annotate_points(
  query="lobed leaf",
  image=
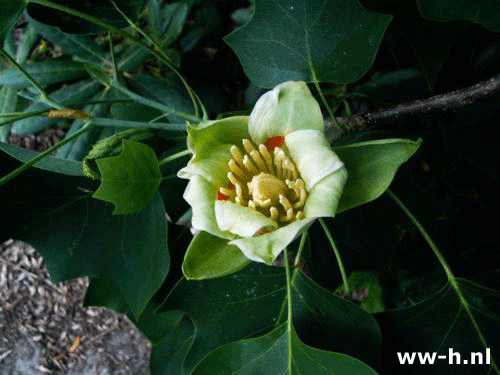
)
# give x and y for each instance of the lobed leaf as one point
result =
(129, 180)
(278, 352)
(85, 238)
(329, 40)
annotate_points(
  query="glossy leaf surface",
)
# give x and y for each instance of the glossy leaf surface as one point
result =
(11, 9)
(85, 238)
(279, 352)
(44, 73)
(256, 295)
(289, 40)
(371, 167)
(129, 180)
(440, 323)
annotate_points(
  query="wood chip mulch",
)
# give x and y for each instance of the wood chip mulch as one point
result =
(40, 323)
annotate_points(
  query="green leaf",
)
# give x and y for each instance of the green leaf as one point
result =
(49, 163)
(297, 40)
(154, 17)
(322, 317)
(104, 292)
(256, 295)
(80, 147)
(44, 72)
(440, 323)
(219, 306)
(103, 10)
(278, 352)
(367, 289)
(8, 104)
(175, 16)
(165, 91)
(69, 94)
(371, 167)
(174, 347)
(129, 180)
(27, 43)
(209, 256)
(11, 10)
(85, 238)
(82, 46)
(484, 13)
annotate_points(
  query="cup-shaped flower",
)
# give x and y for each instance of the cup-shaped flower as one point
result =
(260, 181)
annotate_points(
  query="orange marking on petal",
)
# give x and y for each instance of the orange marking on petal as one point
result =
(222, 197)
(230, 185)
(263, 231)
(274, 142)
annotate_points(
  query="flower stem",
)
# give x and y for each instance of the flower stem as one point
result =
(289, 303)
(337, 255)
(170, 158)
(44, 97)
(43, 154)
(301, 248)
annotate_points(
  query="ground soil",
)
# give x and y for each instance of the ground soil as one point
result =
(40, 321)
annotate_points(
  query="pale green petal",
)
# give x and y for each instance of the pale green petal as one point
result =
(209, 256)
(239, 220)
(286, 108)
(212, 168)
(203, 138)
(312, 155)
(201, 195)
(267, 247)
(324, 197)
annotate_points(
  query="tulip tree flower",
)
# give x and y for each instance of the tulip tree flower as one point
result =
(258, 182)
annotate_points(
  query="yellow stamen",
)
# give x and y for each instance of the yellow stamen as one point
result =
(237, 155)
(249, 165)
(267, 158)
(266, 181)
(237, 171)
(258, 160)
(248, 146)
(302, 199)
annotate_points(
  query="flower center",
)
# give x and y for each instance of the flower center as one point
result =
(265, 179)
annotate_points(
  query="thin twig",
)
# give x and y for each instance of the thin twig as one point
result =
(438, 103)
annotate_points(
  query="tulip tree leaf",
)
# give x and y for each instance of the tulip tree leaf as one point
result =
(209, 256)
(256, 295)
(104, 292)
(11, 9)
(129, 180)
(440, 323)
(85, 238)
(8, 103)
(218, 307)
(371, 167)
(175, 346)
(82, 46)
(44, 73)
(104, 10)
(484, 13)
(292, 40)
(279, 352)
(49, 163)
